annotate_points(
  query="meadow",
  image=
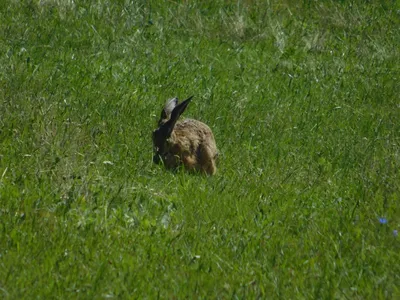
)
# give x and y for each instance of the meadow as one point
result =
(303, 100)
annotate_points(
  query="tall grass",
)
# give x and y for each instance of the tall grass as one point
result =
(303, 98)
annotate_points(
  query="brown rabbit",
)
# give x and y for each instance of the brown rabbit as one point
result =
(188, 142)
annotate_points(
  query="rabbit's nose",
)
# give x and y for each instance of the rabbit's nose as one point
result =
(156, 159)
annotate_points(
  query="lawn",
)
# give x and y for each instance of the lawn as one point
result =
(303, 100)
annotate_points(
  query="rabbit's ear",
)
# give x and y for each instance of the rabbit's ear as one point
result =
(168, 108)
(176, 113)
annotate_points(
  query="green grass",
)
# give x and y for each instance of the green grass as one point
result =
(303, 99)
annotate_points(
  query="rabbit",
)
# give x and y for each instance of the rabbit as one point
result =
(188, 142)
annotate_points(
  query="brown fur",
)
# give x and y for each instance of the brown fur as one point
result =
(190, 142)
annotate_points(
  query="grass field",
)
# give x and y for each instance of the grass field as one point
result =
(303, 99)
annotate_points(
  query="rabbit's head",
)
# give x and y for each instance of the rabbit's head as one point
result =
(169, 116)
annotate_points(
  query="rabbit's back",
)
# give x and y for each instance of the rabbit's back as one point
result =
(194, 142)
(192, 133)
